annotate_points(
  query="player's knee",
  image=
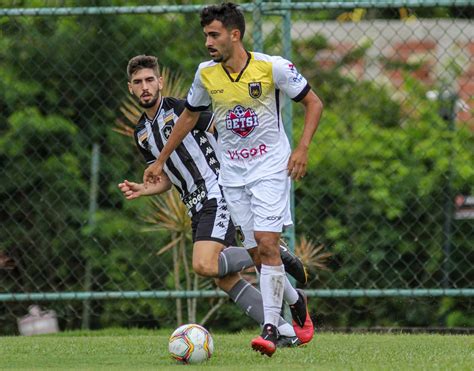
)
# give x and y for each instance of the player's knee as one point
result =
(205, 267)
(268, 247)
(255, 257)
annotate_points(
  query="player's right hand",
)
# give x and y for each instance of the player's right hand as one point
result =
(152, 174)
(131, 190)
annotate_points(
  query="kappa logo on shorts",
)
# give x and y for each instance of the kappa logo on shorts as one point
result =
(241, 121)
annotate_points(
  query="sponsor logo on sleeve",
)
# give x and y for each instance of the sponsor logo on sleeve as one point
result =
(295, 75)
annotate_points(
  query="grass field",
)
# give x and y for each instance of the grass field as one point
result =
(120, 349)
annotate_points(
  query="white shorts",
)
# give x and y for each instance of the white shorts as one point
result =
(263, 205)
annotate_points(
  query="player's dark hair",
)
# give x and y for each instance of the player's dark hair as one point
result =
(140, 62)
(227, 13)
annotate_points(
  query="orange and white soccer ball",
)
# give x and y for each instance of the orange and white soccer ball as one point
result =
(191, 343)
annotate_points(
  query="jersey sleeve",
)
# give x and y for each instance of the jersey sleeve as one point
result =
(205, 121)
(198, 98)
(289, 80)
(205, 118)
(141, 141)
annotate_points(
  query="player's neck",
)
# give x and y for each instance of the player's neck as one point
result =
(151, 112)
(237, 62)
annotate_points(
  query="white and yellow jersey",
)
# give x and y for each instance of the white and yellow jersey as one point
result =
(251, 138)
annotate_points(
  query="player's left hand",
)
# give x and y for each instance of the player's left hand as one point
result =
(297, 163)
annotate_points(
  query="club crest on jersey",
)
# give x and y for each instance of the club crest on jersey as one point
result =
(241, 121)
(255, 89)
(167, 129)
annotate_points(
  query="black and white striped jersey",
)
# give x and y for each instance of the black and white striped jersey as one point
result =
(193, 167)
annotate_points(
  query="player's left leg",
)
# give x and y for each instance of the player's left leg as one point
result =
(270, 205)
(212, 231)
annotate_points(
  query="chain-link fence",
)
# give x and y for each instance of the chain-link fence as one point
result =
(389, 193)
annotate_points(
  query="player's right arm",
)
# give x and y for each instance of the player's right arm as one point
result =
(132, 190)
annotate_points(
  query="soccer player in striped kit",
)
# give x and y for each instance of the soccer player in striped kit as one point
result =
(245, 90)
(193, 169)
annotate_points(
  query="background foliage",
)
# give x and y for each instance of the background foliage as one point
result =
(382, 167)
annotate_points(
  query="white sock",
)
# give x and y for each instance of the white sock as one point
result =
(286, 330)
(272, 281)
(290, 294)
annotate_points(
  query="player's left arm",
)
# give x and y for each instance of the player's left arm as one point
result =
(299, 157)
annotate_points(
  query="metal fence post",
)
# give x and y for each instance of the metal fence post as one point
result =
(94, 189)
(257, 34)
(448, 114)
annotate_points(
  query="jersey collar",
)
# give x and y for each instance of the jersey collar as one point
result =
(156, 113)
(249, 57)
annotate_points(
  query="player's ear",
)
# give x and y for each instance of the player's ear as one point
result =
(160, 82)
(235, 35)
(130, 88)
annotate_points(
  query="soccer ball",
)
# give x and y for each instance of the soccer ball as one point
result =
(191, 343)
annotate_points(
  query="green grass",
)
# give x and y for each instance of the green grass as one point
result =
(120, 349)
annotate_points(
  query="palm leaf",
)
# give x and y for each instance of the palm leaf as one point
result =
(311, 256)
(173, 84)
(169, 213)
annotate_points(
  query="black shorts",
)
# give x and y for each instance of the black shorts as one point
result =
(213, 223)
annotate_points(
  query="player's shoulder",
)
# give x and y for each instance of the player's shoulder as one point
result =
(257, 56)
(172, 102)
(140, 123)
(207, 64)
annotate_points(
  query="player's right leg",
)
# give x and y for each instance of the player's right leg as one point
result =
(271, 207)
(272, 279)
(209, 256)
(272, 272)
(249, 299)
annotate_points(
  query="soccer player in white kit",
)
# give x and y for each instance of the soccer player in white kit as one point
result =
(245, 90)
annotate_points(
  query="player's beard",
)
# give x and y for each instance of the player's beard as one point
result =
(150, 103)
(218, 58)
(222, 55)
